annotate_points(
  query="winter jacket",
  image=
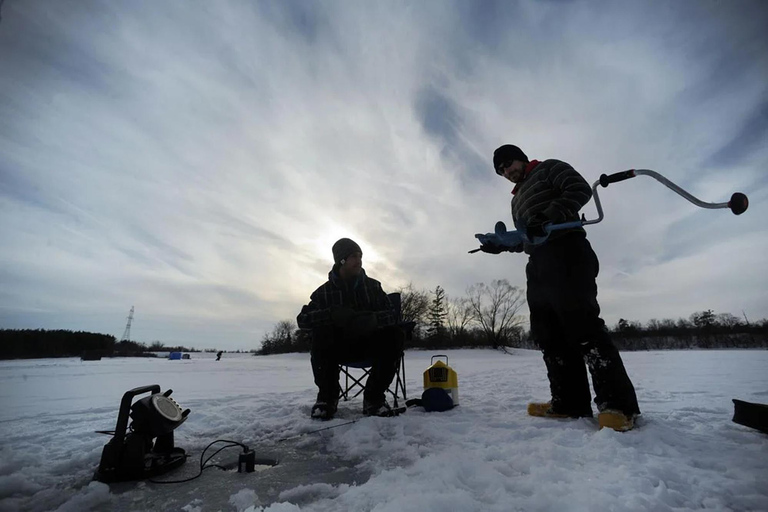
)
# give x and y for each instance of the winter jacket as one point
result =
(361, 294)
(552, 192)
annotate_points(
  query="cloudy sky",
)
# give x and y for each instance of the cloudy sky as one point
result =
(197, 160)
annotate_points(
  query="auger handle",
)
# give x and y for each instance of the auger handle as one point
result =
(738, 203)
(607, 179)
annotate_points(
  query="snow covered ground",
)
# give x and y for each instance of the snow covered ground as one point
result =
(485, 455)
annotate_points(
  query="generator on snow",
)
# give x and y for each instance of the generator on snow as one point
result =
(144, 449)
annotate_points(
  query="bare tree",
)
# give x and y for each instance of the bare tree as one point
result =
(414, 304)
(458, 316)
(728, 320)
(495, 309)
(280, 340)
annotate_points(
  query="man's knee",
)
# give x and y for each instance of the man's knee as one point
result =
(323, 339)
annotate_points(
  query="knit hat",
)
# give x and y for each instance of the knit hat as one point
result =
(343, 248)
(507, 153)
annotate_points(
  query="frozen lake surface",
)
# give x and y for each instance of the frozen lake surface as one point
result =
(486, 455)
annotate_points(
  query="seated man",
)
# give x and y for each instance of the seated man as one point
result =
(352, 320)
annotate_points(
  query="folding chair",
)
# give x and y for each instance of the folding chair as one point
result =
(356, 372)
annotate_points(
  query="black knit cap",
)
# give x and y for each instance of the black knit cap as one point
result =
(343, 248)
(507, 153)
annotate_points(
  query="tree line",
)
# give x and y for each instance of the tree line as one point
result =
(703, 329)
(490, 315)
(35, 343)
(40, 343)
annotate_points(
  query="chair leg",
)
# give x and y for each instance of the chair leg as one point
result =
(402, 383)
(399, 382)
(350, 387)
(359, 383)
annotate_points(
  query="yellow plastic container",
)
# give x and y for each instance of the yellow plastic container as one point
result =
(440, 375)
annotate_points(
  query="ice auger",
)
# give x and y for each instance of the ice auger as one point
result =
(501, 237)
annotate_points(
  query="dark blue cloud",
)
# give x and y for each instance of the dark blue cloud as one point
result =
(752, 136)
(159, 249)
(15, 186)
(39, 53)
(730, 43)
(488, 22)
(704, 228)
(441, 119)
(729, 46)
(245, 229)
(307, 19)
(438, 115)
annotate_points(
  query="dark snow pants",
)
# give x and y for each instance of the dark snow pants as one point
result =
(382, 349)
(566, 324)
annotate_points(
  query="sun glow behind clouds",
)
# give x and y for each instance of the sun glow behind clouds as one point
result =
(322, 242)
(200, 163)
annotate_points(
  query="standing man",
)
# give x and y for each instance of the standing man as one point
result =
(562, 293)
(352, 320)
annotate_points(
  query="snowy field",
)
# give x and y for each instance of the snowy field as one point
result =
(486, 455)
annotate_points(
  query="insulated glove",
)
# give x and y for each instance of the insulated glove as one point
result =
(492, 248)
(535, 226)
(341, 315)
(498, 249)
(364, 322)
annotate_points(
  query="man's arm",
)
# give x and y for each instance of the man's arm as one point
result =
(575, 192)
(315, 314)
(383, 308)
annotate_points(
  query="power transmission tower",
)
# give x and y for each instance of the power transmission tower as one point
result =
(127, 333)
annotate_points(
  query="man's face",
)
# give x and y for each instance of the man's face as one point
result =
(514, 171)
(353, 264)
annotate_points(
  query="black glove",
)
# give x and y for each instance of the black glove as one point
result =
(498, 249)
(493, 248)
(341, 315)
(535, 226)
(363, 323)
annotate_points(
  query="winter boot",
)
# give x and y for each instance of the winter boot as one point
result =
(616, 420)
(324, 409)
(378, 408)
(545, 410)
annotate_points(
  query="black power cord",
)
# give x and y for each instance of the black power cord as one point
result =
(204, 463)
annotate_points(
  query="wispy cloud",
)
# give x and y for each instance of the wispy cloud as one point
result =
(198, 160)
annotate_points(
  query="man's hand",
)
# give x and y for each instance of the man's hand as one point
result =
(341, 315)
(492, 248)
(364, 322)
(498, 249)
(535, 226)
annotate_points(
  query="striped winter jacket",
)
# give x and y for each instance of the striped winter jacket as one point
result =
(552, 189)
(364, 294)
